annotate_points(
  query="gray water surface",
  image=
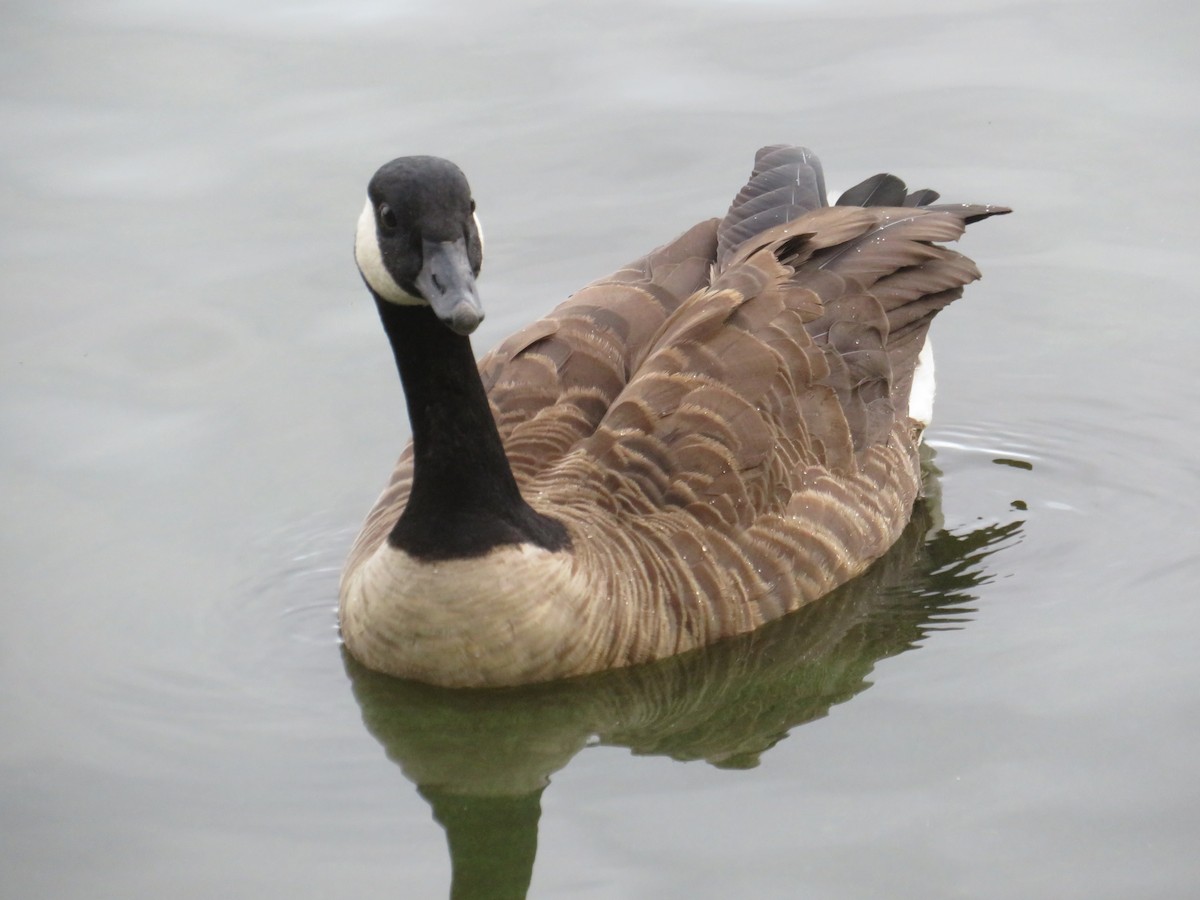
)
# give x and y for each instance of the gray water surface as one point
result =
(198, 407)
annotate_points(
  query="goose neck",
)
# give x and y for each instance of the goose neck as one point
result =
(464, 499)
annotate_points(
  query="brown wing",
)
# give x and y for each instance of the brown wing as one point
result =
(761, 454)
(785, 361)
(552, 382)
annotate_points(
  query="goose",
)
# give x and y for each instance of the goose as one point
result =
(702, 442)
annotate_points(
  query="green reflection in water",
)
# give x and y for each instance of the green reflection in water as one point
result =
(482, 758)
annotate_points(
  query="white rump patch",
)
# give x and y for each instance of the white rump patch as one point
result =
(370, 262)
(920, 398)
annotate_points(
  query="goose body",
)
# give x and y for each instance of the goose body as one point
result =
(704, 441)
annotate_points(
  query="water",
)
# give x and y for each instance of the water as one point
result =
(198, 407)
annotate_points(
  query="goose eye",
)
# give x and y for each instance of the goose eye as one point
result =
(472, 206)
(386, 216)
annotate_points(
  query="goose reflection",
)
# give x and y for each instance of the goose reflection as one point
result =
(482, 759)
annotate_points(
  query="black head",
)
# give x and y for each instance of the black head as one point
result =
(418, 241)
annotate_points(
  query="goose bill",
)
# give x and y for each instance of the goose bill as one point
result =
(447, 282)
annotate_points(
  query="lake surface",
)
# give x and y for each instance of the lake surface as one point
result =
(198, 407)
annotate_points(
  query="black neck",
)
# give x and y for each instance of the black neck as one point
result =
(464, 500)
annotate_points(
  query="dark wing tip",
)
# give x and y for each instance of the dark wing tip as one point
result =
(987, 212)
(878, 190)
(923, 197)
(787, 182)
(972, 212)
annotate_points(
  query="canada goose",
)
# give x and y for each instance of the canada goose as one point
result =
(706, 440)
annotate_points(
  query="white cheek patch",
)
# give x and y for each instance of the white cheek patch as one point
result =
(370, 262)
(920, 397)
(479, 230)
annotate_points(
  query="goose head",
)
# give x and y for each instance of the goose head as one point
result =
(418, 241)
